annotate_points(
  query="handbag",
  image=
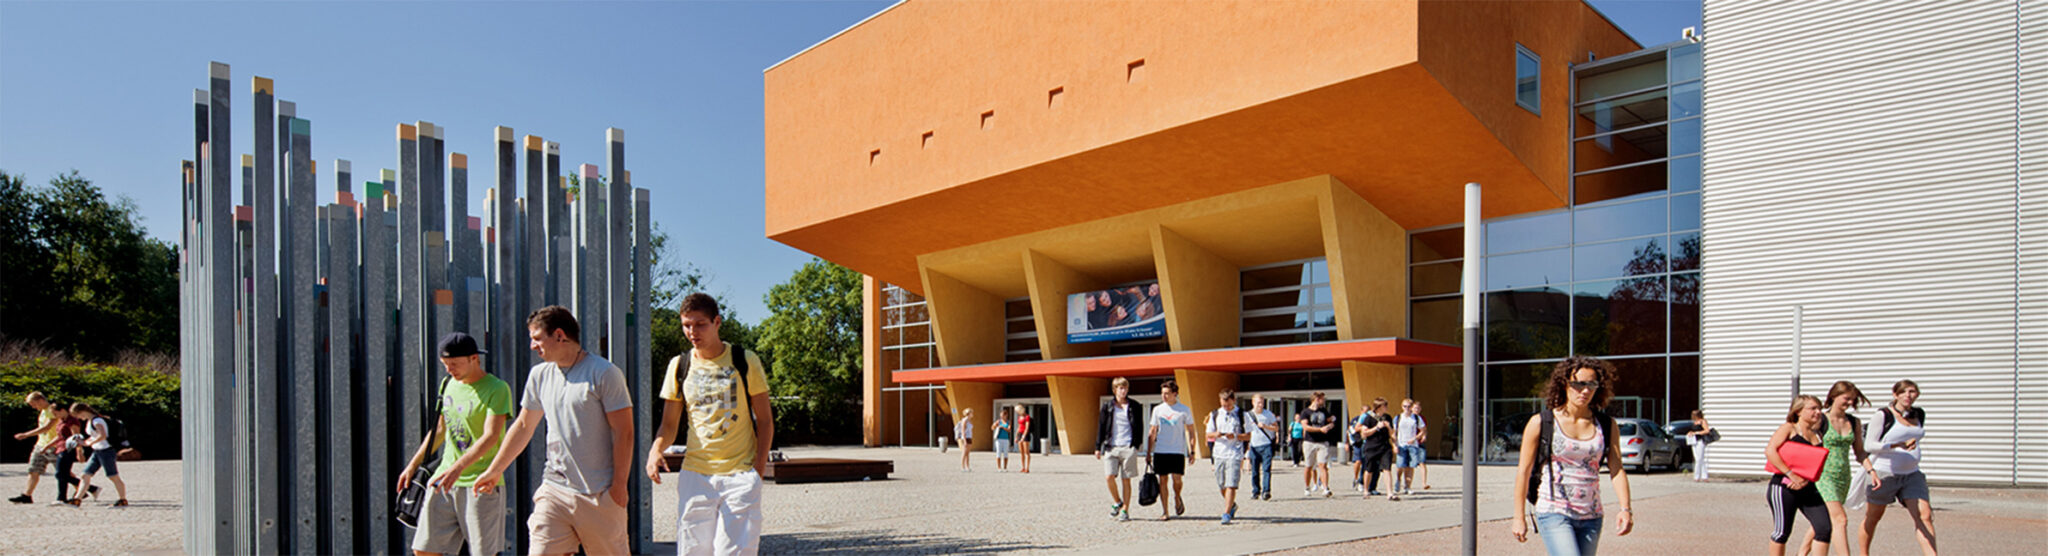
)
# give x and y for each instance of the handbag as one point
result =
(1148, 486)
(1859, 489)
(1804, 459)
(1710, 437)
(414, 497)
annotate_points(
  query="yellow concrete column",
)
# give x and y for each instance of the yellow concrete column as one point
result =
(1368, 258)
(872, 376)
(1198, 390)
(1365, 381)
(967, 323)
(1051, 282)
(1200, 291)
(981, 396)
(1076, 407)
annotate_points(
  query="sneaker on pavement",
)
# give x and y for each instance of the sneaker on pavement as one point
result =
(1123, 515)
(1114, 509)
(23, 499)
(94, 491)
(1305, 493)
(1327, 493)
(122, 503)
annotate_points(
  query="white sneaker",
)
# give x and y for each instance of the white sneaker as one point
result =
(1307, 492)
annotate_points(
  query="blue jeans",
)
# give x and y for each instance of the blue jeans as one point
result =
(1262, 469)
(1565, 536)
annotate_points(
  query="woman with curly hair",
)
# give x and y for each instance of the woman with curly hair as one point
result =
(1563, 448)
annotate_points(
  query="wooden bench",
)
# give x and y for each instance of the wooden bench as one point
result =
(817, 470)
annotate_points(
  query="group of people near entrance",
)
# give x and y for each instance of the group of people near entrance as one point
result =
(65, 436)
(582, 498)
(1242, 440)
(1011, 433)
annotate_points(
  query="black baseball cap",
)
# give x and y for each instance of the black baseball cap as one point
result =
(459, 345)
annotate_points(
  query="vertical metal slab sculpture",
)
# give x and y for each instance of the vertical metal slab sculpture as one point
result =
(341, 351)
(643, 333)
(220, 394)
(191, 332)
(590, 280)
(371, 383)
(263, 379)
(412, 307)
(304, 465)
(460, 248)
(242, 529)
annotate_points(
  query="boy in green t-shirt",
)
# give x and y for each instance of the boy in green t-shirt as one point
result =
(474, 408)
(732, 425)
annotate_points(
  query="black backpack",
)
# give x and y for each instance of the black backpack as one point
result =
(739, 365)
(117, 431)
(1886, 419)
(1541, 462)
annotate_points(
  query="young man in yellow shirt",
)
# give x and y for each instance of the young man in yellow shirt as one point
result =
(732, 426)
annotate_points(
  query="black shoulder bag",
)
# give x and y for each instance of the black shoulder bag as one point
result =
(414, 496)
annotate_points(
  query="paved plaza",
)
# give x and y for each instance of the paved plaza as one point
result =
(929, 507)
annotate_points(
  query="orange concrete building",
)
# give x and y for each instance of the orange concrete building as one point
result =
(1262, 162)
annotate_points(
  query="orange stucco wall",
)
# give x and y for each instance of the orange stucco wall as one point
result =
(1469, 46)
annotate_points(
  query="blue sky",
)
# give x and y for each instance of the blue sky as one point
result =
(105, 88)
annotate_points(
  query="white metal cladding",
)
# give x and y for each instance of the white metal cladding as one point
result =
(2033, 256)
(1860, 161)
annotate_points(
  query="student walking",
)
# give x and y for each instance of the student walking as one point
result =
(1895, 471)
(1228, 428)
(963, 436)
(104, 453)
(1788, 492)
(723, 388)
(1697, 438)
(1843, 436)
(1001, 427)
(1563, 448)
(48, 419)
(1024, 439)
(1294, 433)
(1376, 451)
(1409, 434)
(1167, 442)
(474, 409)
(1319, 436)
(1264, 436)
(1116, 445)
(582, 497)
(70, 449)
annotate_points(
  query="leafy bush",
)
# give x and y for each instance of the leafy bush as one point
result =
(147, 400)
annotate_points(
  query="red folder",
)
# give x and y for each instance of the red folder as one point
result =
(1805, 460)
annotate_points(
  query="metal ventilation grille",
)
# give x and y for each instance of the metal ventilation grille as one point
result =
(1860, 161)
(2033, 198)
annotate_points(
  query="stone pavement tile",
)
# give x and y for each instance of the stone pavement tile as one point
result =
(151, 523)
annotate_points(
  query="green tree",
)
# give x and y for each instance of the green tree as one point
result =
(813, 333)
(81, 274)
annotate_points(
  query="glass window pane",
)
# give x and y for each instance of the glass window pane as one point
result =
(1685, 386)
(1016, 326)
(1290, 298)
(1528, 80)
(916, 334)
(1268, 323)
(1437, 320)
(1512, 394)
(1685, 212)
(1685, 100)
(1508, 235)
(1685, 312)
(1635, 257)
(1020, 344)
(1610, 82)
(1436, 245)
(1435, 279)
(1638, 218)
(1685, 252)
(1684, 63)
(1323, 319)
(1685, 136)
(1527, 324)
(1647, 107)
(1318, 272)
(1528, 269)
(1288, 275)
(1684, 173)
(1615, 184)
(1619, 317)
(1017, 308)
(1322, 295)
(1638, 389)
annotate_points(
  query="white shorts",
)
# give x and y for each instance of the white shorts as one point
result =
(1316, 453)
(1002, 447)
(1121, 461)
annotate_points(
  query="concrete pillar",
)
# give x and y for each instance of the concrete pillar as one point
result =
(556, 207)
(619, 212)
(1200, 293)
(243, 533)
(592, 287)
(1365, 381)
(1198, 391)
(372, 380)
(1050, 282)
(981, 396)
(461, 249)
(412, 300)
(505, 269)
(967, 323)
(1076, 407)
(643, 340)
(1368, 257)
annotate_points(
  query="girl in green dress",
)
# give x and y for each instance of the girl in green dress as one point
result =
(1844, 436)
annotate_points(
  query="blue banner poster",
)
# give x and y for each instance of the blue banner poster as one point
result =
(1128, 312)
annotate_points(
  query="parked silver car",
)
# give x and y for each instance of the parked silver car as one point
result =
(1644, 444)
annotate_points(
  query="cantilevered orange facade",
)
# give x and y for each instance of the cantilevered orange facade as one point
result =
(981, 153)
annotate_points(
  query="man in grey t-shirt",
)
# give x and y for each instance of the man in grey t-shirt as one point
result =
(590, 442)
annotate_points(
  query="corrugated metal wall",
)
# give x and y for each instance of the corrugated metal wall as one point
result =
(1861, 161)
(2033, 292)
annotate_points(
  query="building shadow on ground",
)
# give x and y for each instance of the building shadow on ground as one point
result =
(885, 542)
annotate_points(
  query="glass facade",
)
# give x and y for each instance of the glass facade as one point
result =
(911, 413)
(1615, 275)
(1286, 303)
